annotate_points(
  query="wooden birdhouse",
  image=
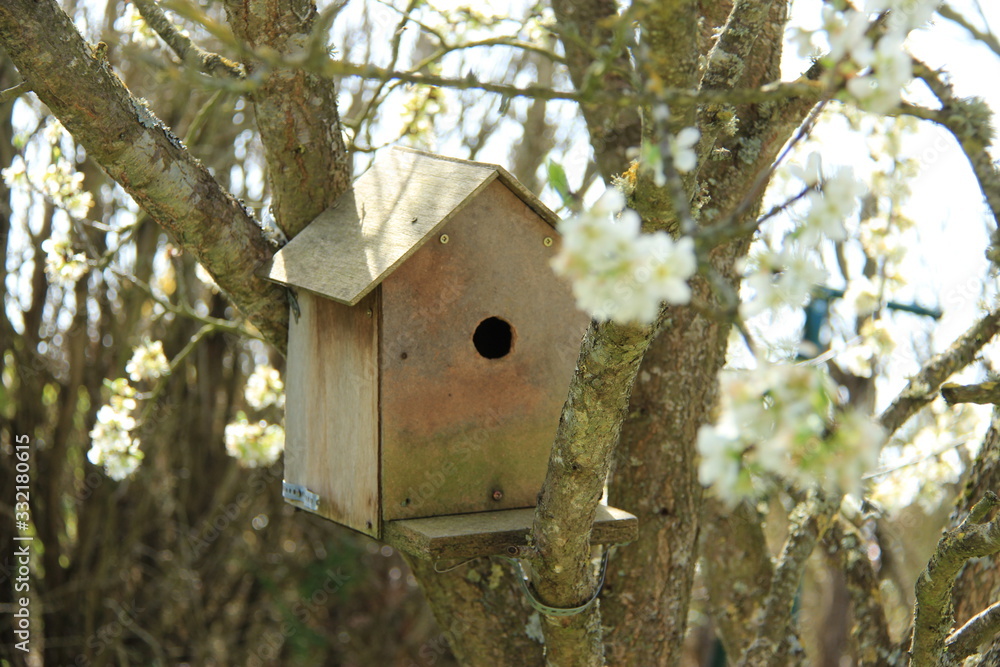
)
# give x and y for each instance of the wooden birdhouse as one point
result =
(431, 349)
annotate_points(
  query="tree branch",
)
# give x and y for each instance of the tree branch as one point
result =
(809, 522)
(923, 386)
(210, 63)
(296, 111)
(870, 629)
(141, 154)
(969, 121)
(980, 629)
(983, 394)
(574, 483)
(933, 612)
(586, 28)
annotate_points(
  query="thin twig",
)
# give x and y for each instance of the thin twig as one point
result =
(987, 38)
(210, 63)
(14, 91)
(923, 387)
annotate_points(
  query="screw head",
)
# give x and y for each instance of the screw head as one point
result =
(498, 495)
(444, 238)
(547, 241)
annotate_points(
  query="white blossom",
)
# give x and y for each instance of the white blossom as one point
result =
(256, 444)
(891, 70)
(264, 388)
(53, 131)
(617, 272)
(16, 174)
(828, 208)
(783, 278)
(682, 149)
(781, 420)
(62, 265)
(906, 14)
(204, 276)
(863, 294)
(720, 467)
(846, 32)
(148, 362)
(809, 174)
(875, 342)
(112, 444)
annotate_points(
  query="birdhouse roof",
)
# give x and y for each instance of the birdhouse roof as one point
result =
(394, 207)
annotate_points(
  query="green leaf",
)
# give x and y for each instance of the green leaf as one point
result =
(559, 182)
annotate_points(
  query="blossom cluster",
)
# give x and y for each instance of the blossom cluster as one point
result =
(63, 266)
(148, 362)
(254, 444)
(112, 443)
(264, 388)
(258, 443)
(781, 421)
(619, 273)
(786, 277)
(876, 70)
(61, 182)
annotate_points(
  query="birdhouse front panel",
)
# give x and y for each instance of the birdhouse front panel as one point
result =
(478, 344)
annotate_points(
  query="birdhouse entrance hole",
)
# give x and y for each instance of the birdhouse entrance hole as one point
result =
(493, 338)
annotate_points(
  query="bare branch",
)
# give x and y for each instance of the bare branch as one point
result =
(589, 429)
(983, 394)
(809, 522)
(981, 628)
(14, 91)
(870, 630)
(969, 121)
(922, 387)
(933, 612)
(987, 38)
(210, 63)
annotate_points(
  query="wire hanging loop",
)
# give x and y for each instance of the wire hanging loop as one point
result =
(538, 605)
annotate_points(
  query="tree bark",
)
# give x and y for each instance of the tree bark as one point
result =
(590, 30)
(296, 110)
(482, 614)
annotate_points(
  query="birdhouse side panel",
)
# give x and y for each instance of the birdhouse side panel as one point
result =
(331, 408)
(479, 343)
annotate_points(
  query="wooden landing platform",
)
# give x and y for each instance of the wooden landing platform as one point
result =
(492, 533)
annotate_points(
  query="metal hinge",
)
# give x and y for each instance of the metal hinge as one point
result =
(300, 496)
